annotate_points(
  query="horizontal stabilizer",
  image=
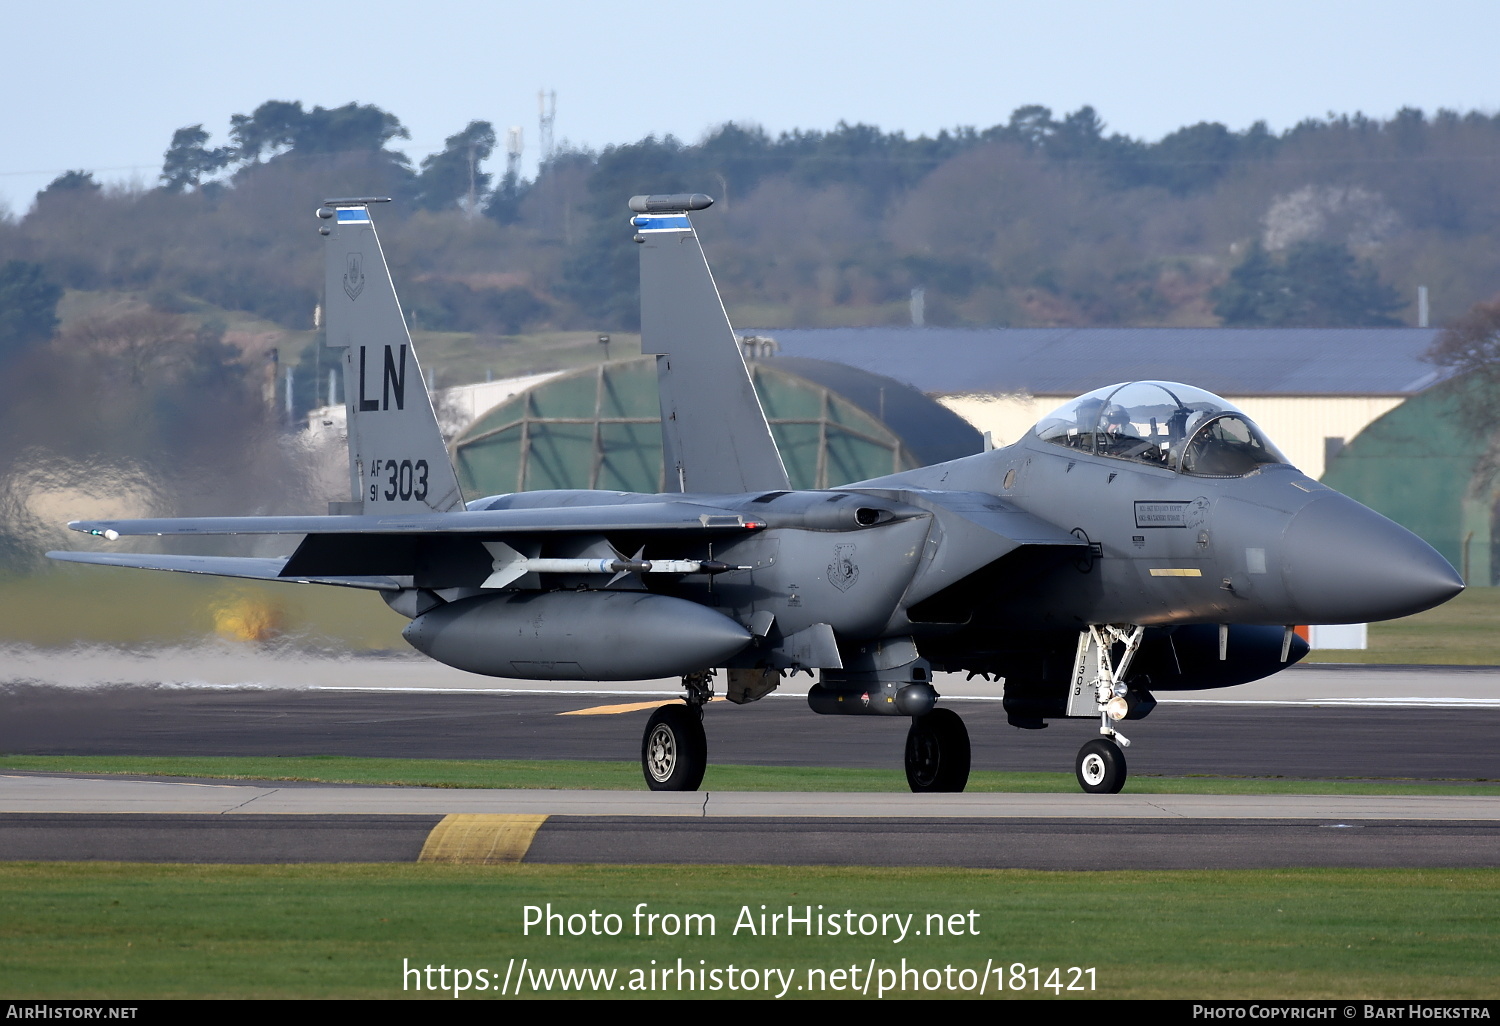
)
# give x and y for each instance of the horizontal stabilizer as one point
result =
(247, 567)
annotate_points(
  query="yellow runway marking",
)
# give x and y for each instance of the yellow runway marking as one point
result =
(481, 839)
(611, 710)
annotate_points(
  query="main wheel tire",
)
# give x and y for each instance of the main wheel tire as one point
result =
(674, 749)
(1101, 767)
(937, 752)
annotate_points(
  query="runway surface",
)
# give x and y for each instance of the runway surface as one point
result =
(1315, 723)
(1020, 843)
(45, 817)
(1304, 741)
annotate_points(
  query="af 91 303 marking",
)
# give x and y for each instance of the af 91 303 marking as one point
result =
(398, 479)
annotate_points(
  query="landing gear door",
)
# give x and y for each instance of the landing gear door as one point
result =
(1090, 665)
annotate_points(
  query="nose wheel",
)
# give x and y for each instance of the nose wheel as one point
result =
(1101, 767)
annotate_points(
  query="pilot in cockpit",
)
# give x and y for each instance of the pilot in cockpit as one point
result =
(1162, 424)
(1086, 420)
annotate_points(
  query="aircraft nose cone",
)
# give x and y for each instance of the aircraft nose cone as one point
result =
(1348, 564)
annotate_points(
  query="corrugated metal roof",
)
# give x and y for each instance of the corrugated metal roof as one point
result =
(1070, 361)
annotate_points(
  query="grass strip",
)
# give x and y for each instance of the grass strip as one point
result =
(626, 776)
(114, 930)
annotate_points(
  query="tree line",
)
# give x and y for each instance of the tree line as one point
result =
(1040, 219)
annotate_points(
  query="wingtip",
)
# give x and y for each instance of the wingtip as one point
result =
(94, 527)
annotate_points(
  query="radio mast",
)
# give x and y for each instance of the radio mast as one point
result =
(547, 113)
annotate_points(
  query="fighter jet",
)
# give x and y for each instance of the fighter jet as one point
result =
(1145, 537)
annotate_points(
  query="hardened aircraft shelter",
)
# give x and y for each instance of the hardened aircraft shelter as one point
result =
(598, 427)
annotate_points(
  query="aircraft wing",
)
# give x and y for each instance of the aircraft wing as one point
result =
(248, 567)
(435, 549)
(642, 516)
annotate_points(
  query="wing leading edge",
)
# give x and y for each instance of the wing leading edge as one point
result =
(639, 516)
(365, 551)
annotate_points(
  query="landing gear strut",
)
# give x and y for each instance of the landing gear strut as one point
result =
(1099, 679)
(674, 749)
(937, 752)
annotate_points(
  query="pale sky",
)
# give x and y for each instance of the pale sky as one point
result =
(101, 86)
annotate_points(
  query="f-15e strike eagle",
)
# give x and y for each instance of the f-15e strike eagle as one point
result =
(1143, 537)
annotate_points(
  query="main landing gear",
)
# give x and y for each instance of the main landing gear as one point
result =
(937, 752)
(674, 749)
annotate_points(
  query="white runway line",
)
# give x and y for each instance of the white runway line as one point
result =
(1405, 702)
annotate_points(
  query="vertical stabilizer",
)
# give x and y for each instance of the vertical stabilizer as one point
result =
(714, 433)
(397, 460)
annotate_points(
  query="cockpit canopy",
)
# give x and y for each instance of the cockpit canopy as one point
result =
(1161, 424)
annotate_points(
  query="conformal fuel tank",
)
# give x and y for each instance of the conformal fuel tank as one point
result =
(595, 635)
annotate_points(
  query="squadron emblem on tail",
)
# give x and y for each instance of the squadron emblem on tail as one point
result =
(354, 277)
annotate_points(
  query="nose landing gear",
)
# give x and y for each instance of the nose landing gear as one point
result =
(1104, 655)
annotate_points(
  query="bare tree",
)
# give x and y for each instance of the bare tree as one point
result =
(1471, 344)
(140, 340)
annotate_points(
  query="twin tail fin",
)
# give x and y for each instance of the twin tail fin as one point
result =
(714, 432)
(397, 460)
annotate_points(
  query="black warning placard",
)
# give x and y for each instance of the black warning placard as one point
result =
(1169, 513)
